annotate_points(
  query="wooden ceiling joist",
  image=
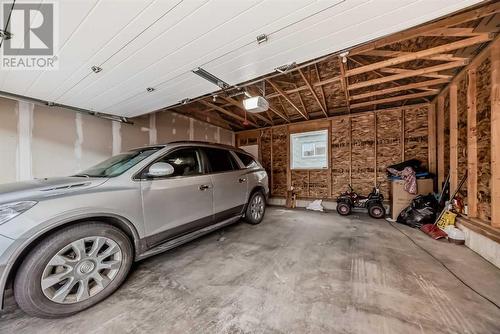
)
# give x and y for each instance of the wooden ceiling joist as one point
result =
(313, 92)
(411, 73)
(454, 20)
(421, 54)
(393, 54)
(321, 89)
(227, 113)
(408, 67)
(419, 85)
(392, 99)
(279, 114)
(451, 32)
(285, 96)
(301, 88)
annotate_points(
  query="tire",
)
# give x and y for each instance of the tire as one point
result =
(76, 259)
(376, 211)
(343, 209)
(256, 208)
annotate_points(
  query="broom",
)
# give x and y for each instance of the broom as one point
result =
(433, 230)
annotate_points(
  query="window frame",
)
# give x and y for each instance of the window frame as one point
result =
(324, 131)
(239, 166)
(241, 161)
(141, 175)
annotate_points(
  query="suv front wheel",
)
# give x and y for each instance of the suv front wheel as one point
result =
(73, 269)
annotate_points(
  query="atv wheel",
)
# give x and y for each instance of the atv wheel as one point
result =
(376, 211)
(343, 209)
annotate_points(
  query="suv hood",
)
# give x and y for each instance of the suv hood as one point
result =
(41, 188)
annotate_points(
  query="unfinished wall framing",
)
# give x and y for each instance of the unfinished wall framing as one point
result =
(361, 147)
(476, 103)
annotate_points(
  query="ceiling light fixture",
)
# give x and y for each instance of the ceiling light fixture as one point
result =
(96, 69)
(150, 89)
(343, 56)
(285, 68)
(262, 38)
(210, 77)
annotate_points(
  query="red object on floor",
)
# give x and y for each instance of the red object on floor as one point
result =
(433, 231)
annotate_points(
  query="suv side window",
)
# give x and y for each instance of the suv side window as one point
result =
(186, 162)
(247, 160)
(220, 160)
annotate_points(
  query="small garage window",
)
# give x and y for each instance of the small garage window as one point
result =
(309, 150)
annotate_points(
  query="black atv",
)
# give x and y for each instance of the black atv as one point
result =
(373, 202)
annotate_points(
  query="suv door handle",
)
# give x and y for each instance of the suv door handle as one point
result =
(242, 179)
(204, 187)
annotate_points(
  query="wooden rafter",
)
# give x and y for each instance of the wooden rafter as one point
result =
(397, 84)
(419, 85)
(287, 119)
(410, 73)
(322, 90)
(302, 102)
(345, 85)
(227, 113)
(451, 32)
(239, 104)
(415, 32)
(313, 92)
(421, 54)
(285, 96)
(301, 88)
(393, 54)
(392, 99)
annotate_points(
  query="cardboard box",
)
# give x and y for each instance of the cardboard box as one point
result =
(400, 199)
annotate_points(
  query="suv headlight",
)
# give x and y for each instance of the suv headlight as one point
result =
(11, 210)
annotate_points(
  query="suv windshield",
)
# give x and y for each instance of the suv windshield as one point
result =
(119, 164)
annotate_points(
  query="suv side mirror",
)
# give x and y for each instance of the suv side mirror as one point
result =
(159, 169)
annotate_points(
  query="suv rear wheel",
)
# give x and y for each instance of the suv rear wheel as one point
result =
(73, 269)
(256, 208)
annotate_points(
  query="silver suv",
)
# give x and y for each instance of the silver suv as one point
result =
(67, 243)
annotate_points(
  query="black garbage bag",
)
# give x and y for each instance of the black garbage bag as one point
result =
(422, 211)
(423, 201)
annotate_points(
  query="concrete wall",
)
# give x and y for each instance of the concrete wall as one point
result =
(39, 141)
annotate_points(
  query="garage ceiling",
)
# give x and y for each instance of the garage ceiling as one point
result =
(157, 44)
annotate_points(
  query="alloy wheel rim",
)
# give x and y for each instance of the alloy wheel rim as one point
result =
(81, 270)
(257, 207)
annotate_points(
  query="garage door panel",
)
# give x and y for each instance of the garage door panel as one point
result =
(89, 38)
(121, 46)
(187, 31)
(75, 13)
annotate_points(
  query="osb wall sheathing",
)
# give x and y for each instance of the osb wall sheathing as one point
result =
(363, 153)
(483, 101)
(373, 149)
(447, 134)
(389, 150)
(462, 132)
(300, 182)
(280, 160)
(340, 153)
(318, 188)
(416, 135)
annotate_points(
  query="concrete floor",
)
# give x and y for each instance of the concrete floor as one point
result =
(297, 272)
